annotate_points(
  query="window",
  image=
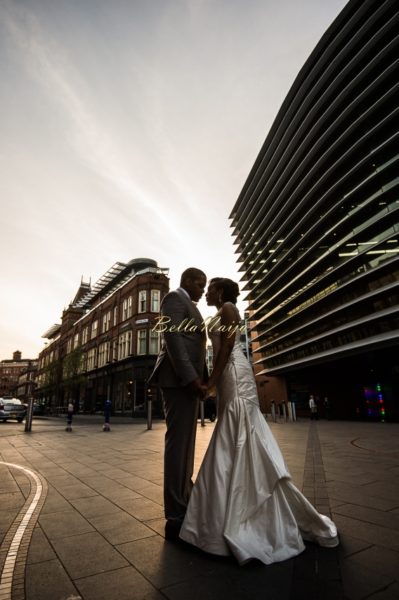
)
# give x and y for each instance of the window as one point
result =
(103, 354)
(154, 342)
(124, 309)
(115, 315)
(85, 335)
(142, 341)
(76, 341)
(69, 345)
(142, 301)
(124, 345)
(127, 308)
(94, 328)
(106, 321)
(115, 349)
(91, 359)
(155, 297)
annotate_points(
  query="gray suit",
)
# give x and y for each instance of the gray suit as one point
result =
(180, 361)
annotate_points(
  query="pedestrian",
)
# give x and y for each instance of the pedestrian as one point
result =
(179, 371)
(313, 408)
(326, 404)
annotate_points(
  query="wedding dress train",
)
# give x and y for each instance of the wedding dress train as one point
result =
(244, 501)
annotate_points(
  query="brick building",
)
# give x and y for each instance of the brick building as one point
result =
(104, 346)
(10, 372)
(26, 384)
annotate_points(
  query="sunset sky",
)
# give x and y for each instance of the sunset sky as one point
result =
(128, 129)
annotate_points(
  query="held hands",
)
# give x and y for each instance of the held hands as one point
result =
(201, 389)
(197, 388)
(209, 389)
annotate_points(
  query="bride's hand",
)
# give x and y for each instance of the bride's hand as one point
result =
(211, 389)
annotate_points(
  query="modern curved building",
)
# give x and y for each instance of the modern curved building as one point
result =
(317, 226)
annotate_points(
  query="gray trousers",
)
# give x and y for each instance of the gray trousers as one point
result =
(181, 414)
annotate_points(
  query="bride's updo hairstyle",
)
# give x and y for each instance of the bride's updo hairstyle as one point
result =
(227, 287)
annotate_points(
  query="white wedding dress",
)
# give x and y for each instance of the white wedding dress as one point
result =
(244, 502)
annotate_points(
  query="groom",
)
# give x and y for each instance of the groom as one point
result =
(179, 371)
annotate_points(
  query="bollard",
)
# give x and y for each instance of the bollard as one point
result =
(69, 417)
(149, 413)
(107, 414)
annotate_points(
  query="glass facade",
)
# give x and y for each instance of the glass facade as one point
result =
(316, 224)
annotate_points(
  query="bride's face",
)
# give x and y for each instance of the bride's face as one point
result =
(212, 295)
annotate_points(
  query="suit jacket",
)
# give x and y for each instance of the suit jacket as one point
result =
(182, 355)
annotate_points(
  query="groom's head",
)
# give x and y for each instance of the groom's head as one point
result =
(193, 281)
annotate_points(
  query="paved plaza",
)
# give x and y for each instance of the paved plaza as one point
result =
(81, 516)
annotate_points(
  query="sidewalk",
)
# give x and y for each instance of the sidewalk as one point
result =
(96, 530)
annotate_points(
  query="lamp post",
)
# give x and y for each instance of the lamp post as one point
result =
(29, 412)
(29, 415)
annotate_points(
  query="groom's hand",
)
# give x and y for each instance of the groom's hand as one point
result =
(197, 388)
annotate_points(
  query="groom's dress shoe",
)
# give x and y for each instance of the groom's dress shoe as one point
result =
(172, 530)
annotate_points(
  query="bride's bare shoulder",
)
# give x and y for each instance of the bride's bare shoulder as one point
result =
(229, 312)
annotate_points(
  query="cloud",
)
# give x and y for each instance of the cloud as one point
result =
(92, 142)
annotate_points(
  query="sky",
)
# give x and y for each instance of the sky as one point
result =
(128, 129)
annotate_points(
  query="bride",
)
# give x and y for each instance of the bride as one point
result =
(244, 502)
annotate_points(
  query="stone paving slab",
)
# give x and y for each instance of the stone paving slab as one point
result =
(100, 532)
(122, 584)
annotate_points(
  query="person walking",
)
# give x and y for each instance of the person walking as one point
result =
(313, 408)
(180, 371)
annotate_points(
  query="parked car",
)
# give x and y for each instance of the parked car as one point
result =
(12, 408)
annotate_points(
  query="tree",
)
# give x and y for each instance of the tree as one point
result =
(72, 373)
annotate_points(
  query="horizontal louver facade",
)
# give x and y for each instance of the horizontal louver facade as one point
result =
(316, 224)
